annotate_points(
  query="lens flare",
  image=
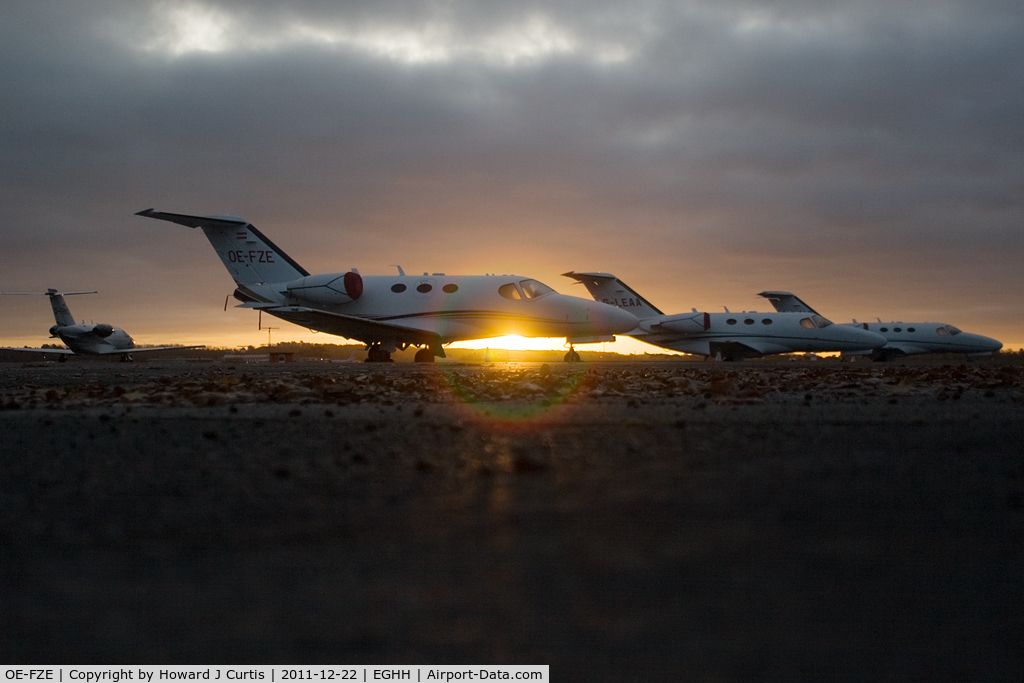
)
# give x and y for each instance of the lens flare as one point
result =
(508, 393)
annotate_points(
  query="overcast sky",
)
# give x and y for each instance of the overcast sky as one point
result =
(868, 156)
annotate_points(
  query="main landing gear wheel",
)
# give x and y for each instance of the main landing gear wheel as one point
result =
(424, 356)
(571, 356)
(377, 354)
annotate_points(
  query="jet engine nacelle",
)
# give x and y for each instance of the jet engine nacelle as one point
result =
(330, 288)
(103, 330)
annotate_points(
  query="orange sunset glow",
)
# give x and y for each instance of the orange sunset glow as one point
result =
(531, 142)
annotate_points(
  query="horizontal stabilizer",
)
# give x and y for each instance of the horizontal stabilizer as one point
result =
(608, 289)
(249, 256)
(195, 221)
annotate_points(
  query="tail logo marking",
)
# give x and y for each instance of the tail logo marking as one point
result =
(251, 256)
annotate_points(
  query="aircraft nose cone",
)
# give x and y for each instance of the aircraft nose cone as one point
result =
(610, 319)
(987, 344)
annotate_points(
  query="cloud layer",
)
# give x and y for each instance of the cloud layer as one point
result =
(868, 156)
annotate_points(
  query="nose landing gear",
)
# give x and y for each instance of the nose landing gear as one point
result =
(571, 356)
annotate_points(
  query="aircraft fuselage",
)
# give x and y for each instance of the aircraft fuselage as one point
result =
(455, 307)
(759, 333)
(917, 338)
(93, 339)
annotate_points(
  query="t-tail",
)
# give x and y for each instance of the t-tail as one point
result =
(249, 256)
(61, 312)
(608, 289)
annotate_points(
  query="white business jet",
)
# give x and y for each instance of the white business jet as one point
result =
(726, 336)
(87, 338)
(389, 312)
(903, 339)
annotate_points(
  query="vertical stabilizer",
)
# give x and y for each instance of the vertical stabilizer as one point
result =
(786, 302)
(61, 312)
(248, 255)
(608, 289)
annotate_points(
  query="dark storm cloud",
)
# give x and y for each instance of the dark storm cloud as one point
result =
(878, 130)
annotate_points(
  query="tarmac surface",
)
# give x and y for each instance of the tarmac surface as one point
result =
(624, 521)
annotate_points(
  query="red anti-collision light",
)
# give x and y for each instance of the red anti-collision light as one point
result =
(353, 285)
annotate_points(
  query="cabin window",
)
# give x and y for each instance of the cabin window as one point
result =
(424, 288)
(398, 289)
(450, 289)
(897, 329)
(533, 289)
(883, 329)
(911, 329)
(730, 321)
(807, 322)
(509, 291)
(748, 321)
(766, 321)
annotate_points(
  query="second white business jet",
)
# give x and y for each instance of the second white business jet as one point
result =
(903, 339)
(88, 339)
(726, 336)
(389, 312)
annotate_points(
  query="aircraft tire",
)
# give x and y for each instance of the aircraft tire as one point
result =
(572, 357)
(424, 356)
(377, 355)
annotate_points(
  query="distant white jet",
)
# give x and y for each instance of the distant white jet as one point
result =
(728, 336)
(388, 312)
(903, 339)
(86, 338)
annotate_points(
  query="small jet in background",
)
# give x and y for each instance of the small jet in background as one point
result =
(389, 312)
(902, 339)
(86, 338)
(727, 336)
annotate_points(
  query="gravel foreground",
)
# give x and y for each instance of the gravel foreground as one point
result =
(621, 521)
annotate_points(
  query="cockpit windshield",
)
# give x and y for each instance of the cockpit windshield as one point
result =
(533, 289)
(947, 330)
(815, 321)
(509, 291)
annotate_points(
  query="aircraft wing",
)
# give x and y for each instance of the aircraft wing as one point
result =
(352, 327)
(63, 352)
(908, 349)
(751, 347)
(786, 302)
(147, 349)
